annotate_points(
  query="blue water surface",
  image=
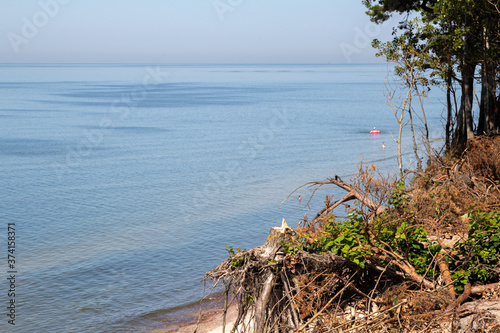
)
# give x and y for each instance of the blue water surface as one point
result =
(127, 182)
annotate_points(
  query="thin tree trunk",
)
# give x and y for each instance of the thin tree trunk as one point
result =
(497, 115)
(415, 147)
(400, 133)
(426, 127)
(449, 121)
(469, 93)
(483, 105)
(490, 115)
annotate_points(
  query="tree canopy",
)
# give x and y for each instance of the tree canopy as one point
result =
(456, 43)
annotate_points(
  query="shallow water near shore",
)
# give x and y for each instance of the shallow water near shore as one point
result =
(127, 182)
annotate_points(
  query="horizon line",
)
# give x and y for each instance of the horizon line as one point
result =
(192, 63)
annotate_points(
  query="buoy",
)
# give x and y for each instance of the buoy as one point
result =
(374, 131)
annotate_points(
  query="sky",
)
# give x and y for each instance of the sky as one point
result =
(187, 31)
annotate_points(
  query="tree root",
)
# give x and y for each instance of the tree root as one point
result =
(289, 291)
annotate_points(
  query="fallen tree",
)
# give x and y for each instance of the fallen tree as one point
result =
(406, 257)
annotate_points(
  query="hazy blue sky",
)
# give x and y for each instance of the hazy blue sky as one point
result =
(187, 31)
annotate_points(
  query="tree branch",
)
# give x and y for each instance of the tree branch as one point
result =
(425, 8)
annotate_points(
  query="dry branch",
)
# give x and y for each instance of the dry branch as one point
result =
(353, 193)
(363, 198)
(445, 273)
(460, 299)
(328, 209)
(478, 290)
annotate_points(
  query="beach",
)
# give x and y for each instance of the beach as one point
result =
(208, 320)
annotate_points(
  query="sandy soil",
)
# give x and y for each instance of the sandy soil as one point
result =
(209, 322)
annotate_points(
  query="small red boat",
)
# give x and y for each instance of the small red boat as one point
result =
(374, 131)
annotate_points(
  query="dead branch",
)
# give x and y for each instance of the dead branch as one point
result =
(407, 268)
(329, 208)
(352, 194)
(478, 290)
(445, 273)
(460, 299)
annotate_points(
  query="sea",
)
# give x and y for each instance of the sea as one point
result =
(123, 184)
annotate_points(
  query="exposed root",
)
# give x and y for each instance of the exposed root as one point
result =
(400, 261)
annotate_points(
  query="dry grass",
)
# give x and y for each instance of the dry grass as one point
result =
(453, 186)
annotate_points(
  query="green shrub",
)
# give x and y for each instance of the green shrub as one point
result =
(479, 253)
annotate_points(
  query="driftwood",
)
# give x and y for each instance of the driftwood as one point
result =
(272, 288)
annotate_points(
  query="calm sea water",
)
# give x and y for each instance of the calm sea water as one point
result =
(127, 182)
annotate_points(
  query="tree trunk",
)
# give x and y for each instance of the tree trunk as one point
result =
(449, 121)
(486, 124)
(464, 129)
(497, 115)
(270, 249)
(415, 147)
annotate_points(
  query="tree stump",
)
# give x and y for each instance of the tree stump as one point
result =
(271, 252)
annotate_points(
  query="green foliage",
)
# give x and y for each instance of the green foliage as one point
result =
(358, 241)
(343, 238)
(397, 198)
(347, 239)
(354, 240)
(479, 252)
(290, 248)
(235, 262)
(411, 243)
(444, 40)
(380, 10)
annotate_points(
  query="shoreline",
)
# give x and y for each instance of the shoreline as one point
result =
(188, 318)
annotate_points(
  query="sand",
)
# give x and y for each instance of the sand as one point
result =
(209, 322)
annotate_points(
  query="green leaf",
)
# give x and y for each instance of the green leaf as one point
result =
(329, 245)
